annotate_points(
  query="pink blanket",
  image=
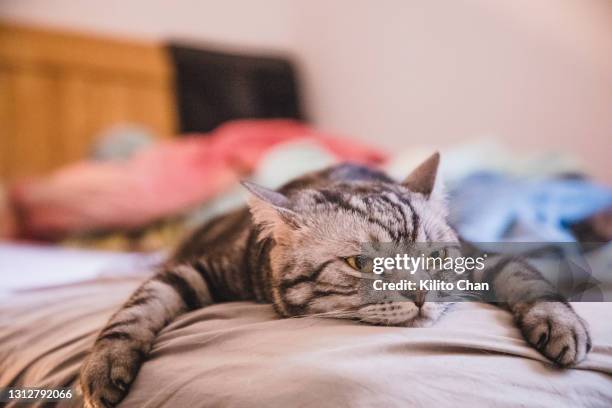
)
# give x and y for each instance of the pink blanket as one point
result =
(166, 179)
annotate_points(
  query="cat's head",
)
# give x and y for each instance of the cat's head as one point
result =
(318, 262)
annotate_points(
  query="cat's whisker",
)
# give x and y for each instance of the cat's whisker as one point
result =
(331, 314)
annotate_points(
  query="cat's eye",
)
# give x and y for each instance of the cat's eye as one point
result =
(352, 262)
(438, 253)
(359, 263)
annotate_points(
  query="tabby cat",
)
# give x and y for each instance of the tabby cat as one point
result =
(299, 249)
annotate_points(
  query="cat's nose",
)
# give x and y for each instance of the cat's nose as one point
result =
(419, 297)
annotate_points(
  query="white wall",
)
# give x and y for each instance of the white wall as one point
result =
(261, 24)
(537, 74)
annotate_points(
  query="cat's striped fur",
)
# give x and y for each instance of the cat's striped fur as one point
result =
(289, 250)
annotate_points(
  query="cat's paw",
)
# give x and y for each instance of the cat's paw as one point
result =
(556, 331)
(108, 372)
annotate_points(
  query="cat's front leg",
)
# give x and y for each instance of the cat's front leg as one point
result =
(123, 344)
(110, 369)
(547, 321)
(555, 330)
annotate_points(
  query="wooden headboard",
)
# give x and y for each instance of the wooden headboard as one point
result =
(59, 89)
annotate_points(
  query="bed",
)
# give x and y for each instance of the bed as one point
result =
(54, 301)
(240, 354)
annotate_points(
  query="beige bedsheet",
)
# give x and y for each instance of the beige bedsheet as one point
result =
(241, 355)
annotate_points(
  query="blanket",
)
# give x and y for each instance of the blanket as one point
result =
(241, 355)
(166, 179)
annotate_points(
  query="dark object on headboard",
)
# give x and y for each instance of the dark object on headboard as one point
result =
(214, 87)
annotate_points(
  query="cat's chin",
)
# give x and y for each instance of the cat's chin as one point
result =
(405, 314)
(422, 321)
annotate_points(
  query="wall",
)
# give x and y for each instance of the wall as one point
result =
(537, 74)
(262, 24)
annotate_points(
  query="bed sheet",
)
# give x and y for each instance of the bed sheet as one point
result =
(28, 266)
(241, 355)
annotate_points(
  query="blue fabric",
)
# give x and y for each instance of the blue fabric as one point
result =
(489, 207)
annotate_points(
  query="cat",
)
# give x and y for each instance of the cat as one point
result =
(298, 248)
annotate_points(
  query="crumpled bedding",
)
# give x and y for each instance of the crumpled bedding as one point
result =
(490, 207)
(161, 181)
(241, 355)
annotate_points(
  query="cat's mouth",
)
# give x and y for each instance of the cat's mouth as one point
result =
(406, 314)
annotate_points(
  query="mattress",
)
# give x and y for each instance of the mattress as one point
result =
(241, 355)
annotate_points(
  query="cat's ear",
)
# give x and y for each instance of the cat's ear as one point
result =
(423, 178)
(270, 209)
(271, 197)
